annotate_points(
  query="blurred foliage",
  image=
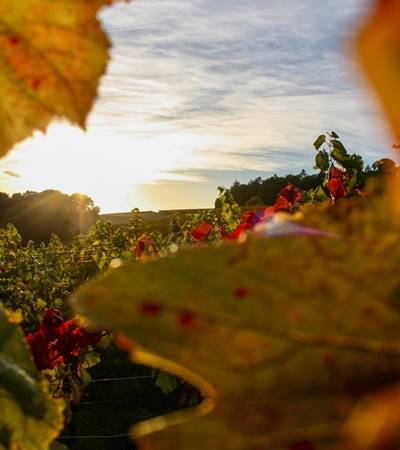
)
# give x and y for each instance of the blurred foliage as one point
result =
(291, 342)
(40, 78)
(378, 48)
(29, 419)
(38, 215)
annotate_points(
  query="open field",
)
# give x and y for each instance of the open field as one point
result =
(148, 216)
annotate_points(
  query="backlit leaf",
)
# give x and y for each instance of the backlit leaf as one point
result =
(52, 54)
(378, 47)
(29, 418)
(273, 331)
(320, 140)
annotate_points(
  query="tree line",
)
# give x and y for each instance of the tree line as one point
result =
(264, 191)
(37, 215)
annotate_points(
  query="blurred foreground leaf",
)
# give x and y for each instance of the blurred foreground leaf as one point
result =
(29, 418)
(374, 424)
(52, 54)
(378, 46)
(282, 336)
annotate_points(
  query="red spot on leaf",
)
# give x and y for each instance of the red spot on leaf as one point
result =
(151, 309)
(303, 445)
(187, 319)
(329, 360)
(35, 83)
(13, 40)
(369, 311)
(241, 292)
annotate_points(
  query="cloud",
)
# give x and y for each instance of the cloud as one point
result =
(251, 74)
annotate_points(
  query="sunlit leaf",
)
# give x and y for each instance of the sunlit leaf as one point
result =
(320, 140)
(29, 418)
(322, 160)
(52, 54)
(374, 423)
(282, 336)
(378, 47)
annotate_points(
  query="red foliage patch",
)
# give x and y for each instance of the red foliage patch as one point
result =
(58, 342)
(336, 185)
(288, 197)
(144, 244)
(202, 230)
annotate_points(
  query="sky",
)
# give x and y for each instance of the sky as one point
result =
(200, 93)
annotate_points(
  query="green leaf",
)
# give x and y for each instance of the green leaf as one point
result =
(282, 337)
(353, 162)
(32, 420)
(334, 135)
(48, 67)
(352, 182)
(322, 160)
(90, 360)
(320, 195)
(320, 140)
(166, 382)
(338, 153)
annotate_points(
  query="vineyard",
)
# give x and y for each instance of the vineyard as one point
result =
(264, 327)
(84, 368)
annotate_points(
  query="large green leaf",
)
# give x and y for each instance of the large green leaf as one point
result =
(29, 418)
(283, 336)
(52, 54)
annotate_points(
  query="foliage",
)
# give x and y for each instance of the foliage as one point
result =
(268, 189)
(65, 350)
(255, 201)
(30, 419)
(35, 280)
(274, 334)
(343, 173)
(266, 334)
(38, 215)
(40, 78)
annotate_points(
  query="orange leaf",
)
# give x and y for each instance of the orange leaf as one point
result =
(52, 54)
(378, 47)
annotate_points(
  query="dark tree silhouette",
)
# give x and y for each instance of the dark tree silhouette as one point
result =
(37, 215)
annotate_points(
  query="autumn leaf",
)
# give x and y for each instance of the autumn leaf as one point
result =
(52, 54)
(283, 337)
(374, 423)
(378, 47)
(29, 418)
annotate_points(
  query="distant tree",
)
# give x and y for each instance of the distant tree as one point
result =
(255, 201)
(267, 189)
(5, 202)
(37, 215)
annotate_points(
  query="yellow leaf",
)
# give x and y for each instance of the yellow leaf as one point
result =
(282, 337)
(29, 418)
(52, 54)
(378, 47)
(374, 424)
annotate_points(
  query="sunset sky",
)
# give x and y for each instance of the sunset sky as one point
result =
(202, 92)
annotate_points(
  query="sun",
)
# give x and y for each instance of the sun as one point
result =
(109, 166)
